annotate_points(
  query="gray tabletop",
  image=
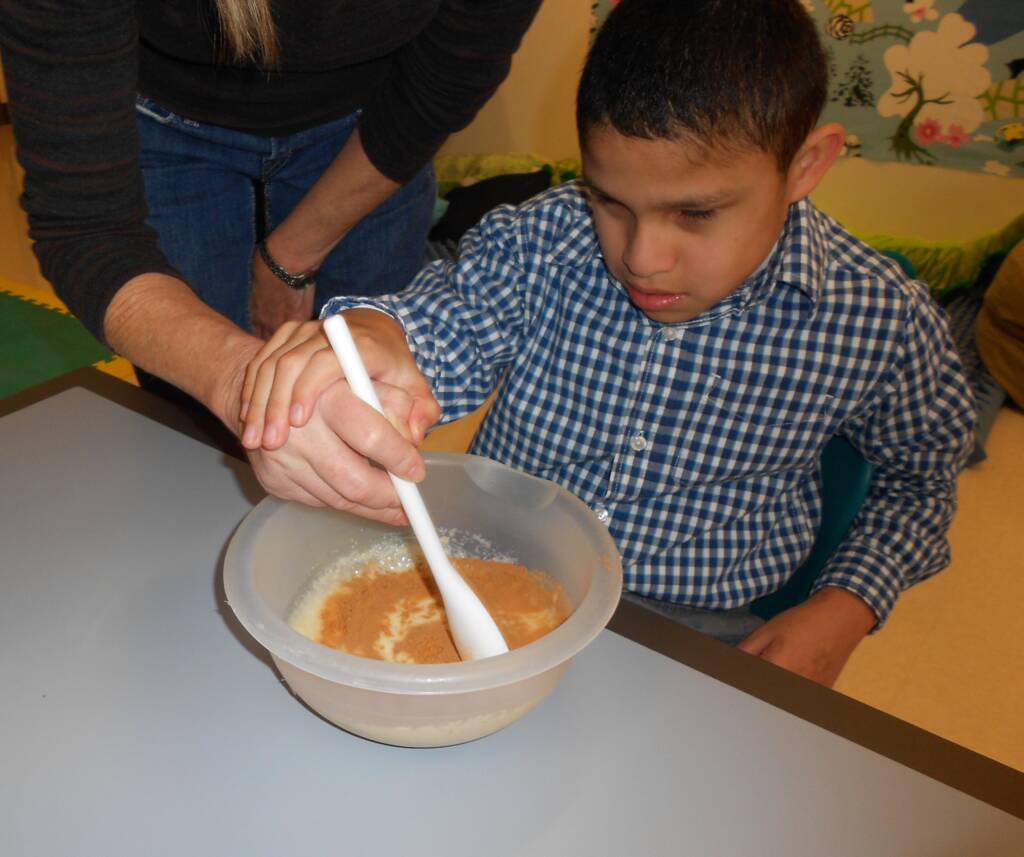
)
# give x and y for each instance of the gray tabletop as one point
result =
(137, 717)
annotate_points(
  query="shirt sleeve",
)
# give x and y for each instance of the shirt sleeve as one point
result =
(71, 70)
(917, 433)
(440, 80)
(465, 321)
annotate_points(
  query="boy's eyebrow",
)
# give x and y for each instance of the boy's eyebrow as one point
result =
(692, 203)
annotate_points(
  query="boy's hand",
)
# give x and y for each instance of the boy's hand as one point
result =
(285, 380)
(815, 638)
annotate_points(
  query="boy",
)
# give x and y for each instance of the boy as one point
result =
(678, 336)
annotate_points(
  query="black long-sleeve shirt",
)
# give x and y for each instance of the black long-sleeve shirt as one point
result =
(419, 70)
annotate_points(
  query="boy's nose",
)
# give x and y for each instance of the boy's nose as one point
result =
(646, 254)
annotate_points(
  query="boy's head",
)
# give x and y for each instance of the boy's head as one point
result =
(697, 123)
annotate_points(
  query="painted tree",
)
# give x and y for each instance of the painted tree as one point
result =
(935, 83)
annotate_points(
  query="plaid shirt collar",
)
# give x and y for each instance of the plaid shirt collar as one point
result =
(798, 259)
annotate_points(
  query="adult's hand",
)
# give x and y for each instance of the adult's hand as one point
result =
(272, 303)
(327, 461)
(815, 638)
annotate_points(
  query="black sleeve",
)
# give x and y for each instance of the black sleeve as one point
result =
(440, 80)
(71, 70)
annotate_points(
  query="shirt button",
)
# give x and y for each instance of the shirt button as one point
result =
(603, 515)
(638, 443)
(670, 334)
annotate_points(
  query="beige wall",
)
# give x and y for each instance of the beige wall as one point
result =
(533, 112)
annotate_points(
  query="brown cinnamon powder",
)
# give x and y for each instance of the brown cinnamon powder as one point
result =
(398, 615)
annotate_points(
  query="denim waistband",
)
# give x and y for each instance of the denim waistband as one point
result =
(272, 147)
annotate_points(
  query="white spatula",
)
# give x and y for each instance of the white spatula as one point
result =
(473, 629)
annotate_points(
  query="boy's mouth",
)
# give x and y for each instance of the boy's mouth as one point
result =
(652, 301)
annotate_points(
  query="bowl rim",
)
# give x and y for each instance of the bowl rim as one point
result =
(284, 642)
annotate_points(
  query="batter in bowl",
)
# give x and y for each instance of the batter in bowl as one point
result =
(396, 614)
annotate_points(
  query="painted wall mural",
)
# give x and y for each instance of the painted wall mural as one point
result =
(924, 82)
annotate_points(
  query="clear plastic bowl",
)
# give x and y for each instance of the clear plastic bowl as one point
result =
(280, 547)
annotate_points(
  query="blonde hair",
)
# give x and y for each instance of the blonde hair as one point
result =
(248, 30)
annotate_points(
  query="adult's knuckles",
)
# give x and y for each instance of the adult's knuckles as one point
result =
(353, 485)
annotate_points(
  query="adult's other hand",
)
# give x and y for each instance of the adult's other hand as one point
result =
(272, 303)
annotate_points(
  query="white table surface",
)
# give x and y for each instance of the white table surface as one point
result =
(138, 718)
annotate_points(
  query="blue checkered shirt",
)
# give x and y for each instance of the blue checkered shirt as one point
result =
(698, 443)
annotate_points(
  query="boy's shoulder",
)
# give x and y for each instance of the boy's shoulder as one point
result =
(858, 275)
(554, 225)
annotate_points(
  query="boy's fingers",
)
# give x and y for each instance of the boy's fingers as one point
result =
(424, 414)
(391, 365)
(398, 369)
(365, 490)
(411, 416)
(345, 480)
(369, 433)
(757, 641)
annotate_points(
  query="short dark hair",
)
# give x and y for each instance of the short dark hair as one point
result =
(726, 74)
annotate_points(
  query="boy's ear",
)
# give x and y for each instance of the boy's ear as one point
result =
(816, 155)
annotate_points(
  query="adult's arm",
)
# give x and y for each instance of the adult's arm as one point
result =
(71, 73)
(70, 68)
(437, 84)
(440, 80)
(206, 355)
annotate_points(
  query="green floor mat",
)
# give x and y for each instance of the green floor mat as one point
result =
(38, 343)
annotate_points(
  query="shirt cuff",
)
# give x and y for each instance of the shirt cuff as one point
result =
(867, 574)
(340, 304)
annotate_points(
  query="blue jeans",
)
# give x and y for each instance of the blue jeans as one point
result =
(728, 626)
(213, 192)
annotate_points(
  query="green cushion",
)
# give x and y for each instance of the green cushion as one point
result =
(947, 266)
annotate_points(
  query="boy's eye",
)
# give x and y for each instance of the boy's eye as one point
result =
(699, 214)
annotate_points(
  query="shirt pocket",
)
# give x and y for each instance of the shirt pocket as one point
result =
(744, 431)
(588, 477)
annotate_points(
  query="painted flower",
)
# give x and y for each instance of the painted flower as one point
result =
(840, 27)
(956, 136)
(996, 168)
(920, 10)
(929, 131)
(851, 146)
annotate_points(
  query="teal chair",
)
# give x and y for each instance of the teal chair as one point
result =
(845, 477)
